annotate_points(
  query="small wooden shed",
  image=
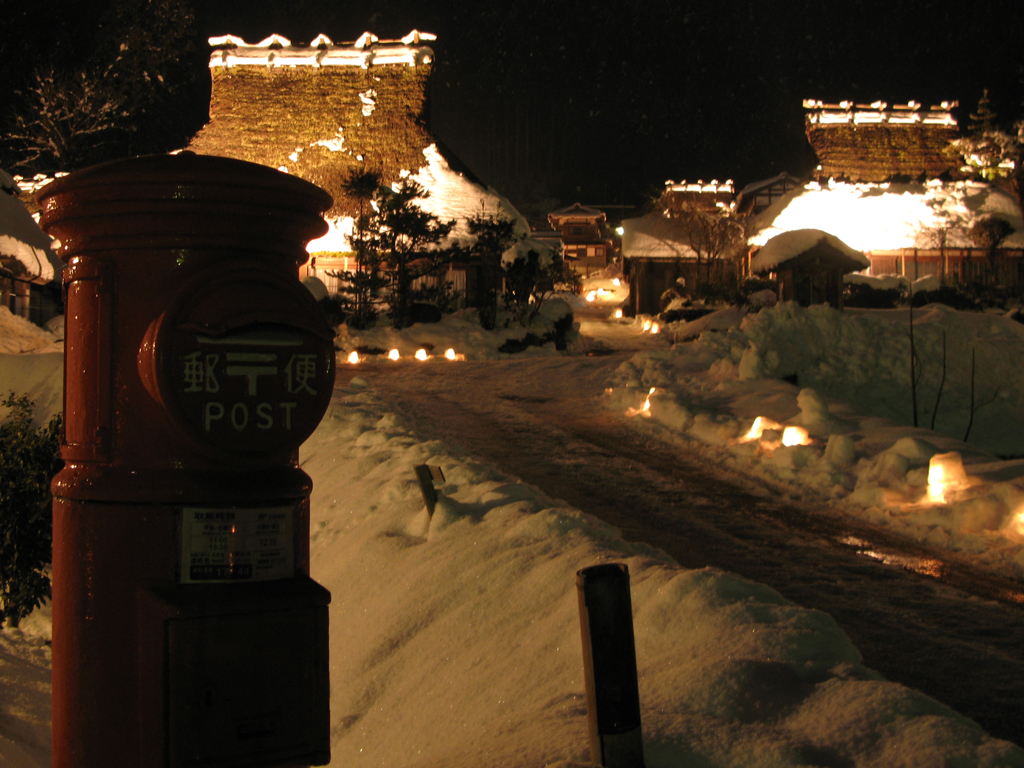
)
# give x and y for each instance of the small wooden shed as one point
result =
(809, 265)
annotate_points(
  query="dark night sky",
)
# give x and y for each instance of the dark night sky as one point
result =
(570, 100)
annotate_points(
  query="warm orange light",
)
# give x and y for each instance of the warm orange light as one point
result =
(655, 328)
(644, 409)
(1014, 530)
(618, 314)
(421, 354)
(449, 353)
(795, 436)
(647, 325)
(591, 296)
(393, 355)
(945, 473)
(761, 423)
(616, 281)
(353, 357)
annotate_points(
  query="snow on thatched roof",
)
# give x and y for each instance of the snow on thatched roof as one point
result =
(789, 247)
(21, 239)
(875, 143)
(889, 216)
(654, 236)
(277, 51)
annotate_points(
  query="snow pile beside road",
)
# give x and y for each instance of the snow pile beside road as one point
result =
(475, 609)
(852, 396)
(18, 335)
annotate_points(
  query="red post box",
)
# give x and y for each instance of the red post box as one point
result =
(186, 628)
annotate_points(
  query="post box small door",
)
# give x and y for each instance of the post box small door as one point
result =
(249, 689)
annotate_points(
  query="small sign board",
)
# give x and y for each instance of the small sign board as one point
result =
(232, 544)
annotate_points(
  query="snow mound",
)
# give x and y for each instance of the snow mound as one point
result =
(18, 335)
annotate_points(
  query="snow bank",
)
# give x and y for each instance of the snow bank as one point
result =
(475, 611)
(845, 379)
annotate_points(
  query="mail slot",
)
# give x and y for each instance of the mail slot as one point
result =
(186, 628)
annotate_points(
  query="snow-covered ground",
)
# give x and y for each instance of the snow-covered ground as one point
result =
(455, 640)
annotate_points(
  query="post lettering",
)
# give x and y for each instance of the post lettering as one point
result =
(214, 411)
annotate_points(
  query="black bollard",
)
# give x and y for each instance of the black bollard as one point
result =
(609, 666)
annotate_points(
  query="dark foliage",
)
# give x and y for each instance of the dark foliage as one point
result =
(29, 459)
(949, 295)
(864, 296)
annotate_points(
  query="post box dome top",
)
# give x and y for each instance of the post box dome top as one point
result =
(187, 169)
(182, 200)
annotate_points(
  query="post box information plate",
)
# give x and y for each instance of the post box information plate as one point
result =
(237, 544)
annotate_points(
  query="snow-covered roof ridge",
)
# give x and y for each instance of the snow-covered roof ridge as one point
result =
(789, 245)
(577, 209)
(278, 51)
(848, 112)
(700, 186)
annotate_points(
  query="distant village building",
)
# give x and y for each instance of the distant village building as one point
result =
(586, 242)
(323, 110)
(29, 268)
(656, 252)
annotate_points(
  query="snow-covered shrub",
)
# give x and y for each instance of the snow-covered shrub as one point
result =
(29, 459)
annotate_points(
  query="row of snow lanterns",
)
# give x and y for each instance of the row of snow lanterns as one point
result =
(421, 354)
(945, 470)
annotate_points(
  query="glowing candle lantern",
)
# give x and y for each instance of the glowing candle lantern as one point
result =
(644, 409)
(591, 296)
(945, 473)
(421, 354)
(647, 325)
(393, 354)
(616, 281)
(353, 357)
(1014, 530)
(795, 436)
(618, 314)
(449, 353)
(655, 328)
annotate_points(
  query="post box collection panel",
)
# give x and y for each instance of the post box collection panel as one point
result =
(247, 689)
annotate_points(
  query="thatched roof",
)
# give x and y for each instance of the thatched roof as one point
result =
(320, 111)
(875, 143)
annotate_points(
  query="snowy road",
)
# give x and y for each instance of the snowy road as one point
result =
(919, 618)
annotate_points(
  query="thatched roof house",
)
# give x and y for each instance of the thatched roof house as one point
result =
(876, 143)
(324, 110)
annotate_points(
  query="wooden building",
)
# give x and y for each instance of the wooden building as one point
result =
(587, 243)
(809, 266)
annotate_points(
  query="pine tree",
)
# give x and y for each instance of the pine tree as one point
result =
(495, 234)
